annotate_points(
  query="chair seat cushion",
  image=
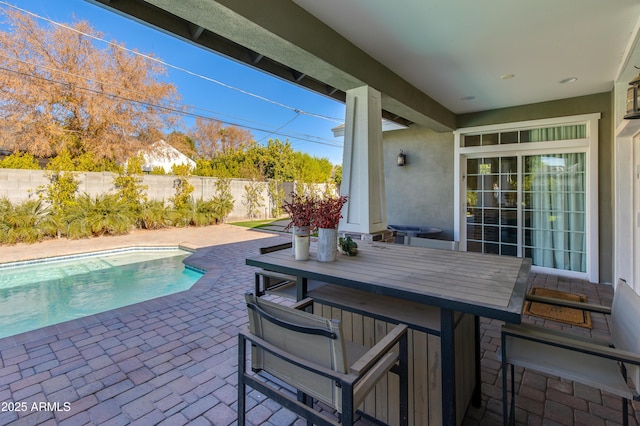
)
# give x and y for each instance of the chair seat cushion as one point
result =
(587, 369)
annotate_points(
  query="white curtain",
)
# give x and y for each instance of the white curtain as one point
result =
(558, 185)
(578, 131)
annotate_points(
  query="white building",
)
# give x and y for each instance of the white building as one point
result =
(164, 155)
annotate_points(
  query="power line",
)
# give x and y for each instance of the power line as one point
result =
(166, 108)
(151, 58)
(181, 107)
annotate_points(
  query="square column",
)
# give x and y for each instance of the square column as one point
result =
(363, 168)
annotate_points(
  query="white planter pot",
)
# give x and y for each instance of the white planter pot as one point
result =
(301, 247)
(302, 231)
(327, 244)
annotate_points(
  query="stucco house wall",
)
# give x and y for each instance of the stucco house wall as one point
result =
(421, 192)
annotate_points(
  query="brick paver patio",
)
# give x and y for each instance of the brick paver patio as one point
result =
(172, 360)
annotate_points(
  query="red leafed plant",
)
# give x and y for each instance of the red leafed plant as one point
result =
(328, 212)
(301, 210)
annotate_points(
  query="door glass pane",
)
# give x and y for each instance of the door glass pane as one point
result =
(554, 210)
(492, 193)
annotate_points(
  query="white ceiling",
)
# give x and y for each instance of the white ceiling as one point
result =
(453, 49)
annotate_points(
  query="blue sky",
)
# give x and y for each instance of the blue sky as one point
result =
(305, 132)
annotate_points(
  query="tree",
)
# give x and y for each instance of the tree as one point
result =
(183, 143)
(312, 169)
(59, 91)
(129, 187)
(19, 161)
(275, 161)
(212, 138)
(183, 187)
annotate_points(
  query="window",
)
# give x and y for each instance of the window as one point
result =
(543, 134)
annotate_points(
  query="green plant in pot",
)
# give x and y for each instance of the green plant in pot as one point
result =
(347, 246)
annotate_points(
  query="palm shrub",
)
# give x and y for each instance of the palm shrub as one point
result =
(5, 213)
(181, 216)
(22, 223)
(100, 215)
(204, 213)
(153, 214)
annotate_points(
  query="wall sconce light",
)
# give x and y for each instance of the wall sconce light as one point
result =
(633, 99)
(177, 183)
(402, 159)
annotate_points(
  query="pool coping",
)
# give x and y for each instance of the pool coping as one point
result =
(83, 255)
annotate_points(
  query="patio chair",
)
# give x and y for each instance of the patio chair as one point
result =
(580, 359)
(267, 281)
(309, 353)
(283, 285)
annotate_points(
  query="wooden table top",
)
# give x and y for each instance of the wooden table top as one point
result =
(481, 284)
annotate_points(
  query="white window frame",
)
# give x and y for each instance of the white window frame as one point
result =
(588, 145)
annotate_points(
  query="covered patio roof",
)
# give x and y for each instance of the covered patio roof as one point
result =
(431, 60)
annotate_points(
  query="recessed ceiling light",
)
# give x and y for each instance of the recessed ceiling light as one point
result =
(568, 80)
(507, 76)
(467, 98)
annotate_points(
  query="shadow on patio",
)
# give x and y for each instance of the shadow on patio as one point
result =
(173, 361)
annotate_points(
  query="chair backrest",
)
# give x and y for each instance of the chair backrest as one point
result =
(304, 335)
(625, 318)
(433, 243)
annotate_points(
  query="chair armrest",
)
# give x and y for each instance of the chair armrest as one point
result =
(366, 361)
(569, 304)
(560, 333)
(569, 342)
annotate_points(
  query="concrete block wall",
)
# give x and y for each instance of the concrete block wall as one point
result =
(20, 185)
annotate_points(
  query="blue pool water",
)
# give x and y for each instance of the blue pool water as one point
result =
(50, 292)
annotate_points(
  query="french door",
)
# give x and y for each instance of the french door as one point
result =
(530, 189)
(529, 205)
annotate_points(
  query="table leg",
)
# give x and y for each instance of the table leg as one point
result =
(301, 288)
(447, 347)
(476, 399)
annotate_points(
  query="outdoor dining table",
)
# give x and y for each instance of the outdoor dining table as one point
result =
(483, 285)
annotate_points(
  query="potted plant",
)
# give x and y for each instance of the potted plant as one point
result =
(347, 246)
(301, 211)
(328, 212)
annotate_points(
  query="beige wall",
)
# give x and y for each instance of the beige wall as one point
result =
(421, 193)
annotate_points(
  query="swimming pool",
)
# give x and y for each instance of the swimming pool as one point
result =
(37, 294)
